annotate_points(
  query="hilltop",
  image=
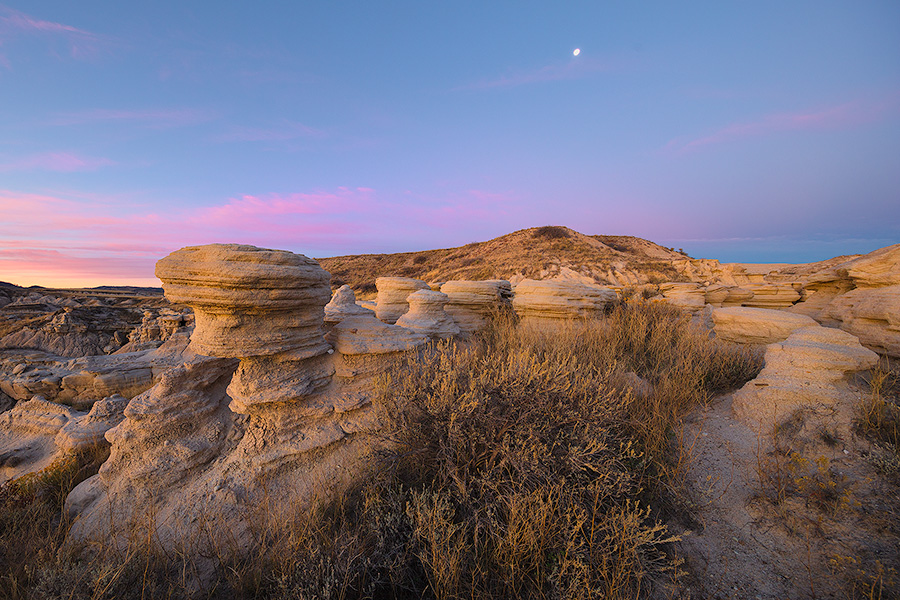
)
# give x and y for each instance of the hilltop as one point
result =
(536, 253)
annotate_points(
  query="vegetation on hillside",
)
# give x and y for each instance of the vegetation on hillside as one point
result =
(532, 253)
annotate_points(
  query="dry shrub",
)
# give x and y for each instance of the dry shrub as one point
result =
(523, 464)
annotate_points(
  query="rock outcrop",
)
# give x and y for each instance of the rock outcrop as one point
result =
(392, 294)
(342, 305)
(555, 300)
(806, 370)
(427, 316)
(261, 421)
(687, 296)
(473, 303)
(871, 314)
(756, 325)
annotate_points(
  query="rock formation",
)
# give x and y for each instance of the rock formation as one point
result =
(807, 369)
(688, 296)
(871, 314)
(427, 316)
(473, 303)
(756, 325)
(392, 294)
(260, 423)
(556, 300)
(342, 305)
(37, 432)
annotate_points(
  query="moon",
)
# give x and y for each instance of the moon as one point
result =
(576, 52)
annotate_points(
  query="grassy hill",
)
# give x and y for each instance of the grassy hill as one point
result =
(536, 253)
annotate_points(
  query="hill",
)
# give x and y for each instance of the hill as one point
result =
(536, 253)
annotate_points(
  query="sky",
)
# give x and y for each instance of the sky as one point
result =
(743, 131)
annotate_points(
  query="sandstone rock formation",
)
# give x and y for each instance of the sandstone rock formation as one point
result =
(557, 300)
(872, 315)
(392, 294)
(688, 296)
(219, 437)
(756, 325)
(807, 369)
(342, 305)
(473, 303)
(770, 295)
(37, 432)
(427, 316)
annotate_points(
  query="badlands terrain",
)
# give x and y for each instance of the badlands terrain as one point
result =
(546, 414)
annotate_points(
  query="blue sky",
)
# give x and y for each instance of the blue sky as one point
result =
(755, 132)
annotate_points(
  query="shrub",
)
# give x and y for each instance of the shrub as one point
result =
(551, 232)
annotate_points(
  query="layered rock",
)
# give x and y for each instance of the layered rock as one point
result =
(366, 346)
(727, 295)
(392, 294)
(427, 316)
(871, 314)
(756, 325)
(770, 295)
(37, 432)
(555, 300)
(473, 303)
(218, 437)
(687, 296)
(342, 305)
(808, 369)
(263, 306)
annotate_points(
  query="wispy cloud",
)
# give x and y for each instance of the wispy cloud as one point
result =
(81, 43)
(846, 115)
(89, 231)
(62, 162)
(286, 130)
(575, 68)
(151, 118)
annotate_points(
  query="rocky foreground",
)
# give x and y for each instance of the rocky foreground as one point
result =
(253, 381)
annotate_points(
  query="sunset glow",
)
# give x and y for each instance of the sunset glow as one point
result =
(132, 131)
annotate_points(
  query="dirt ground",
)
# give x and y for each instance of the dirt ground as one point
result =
(803, 514)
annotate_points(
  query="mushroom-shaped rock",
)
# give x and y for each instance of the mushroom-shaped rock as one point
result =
(263, 306)
(560, 299)
(248, 301)
(392, 294)
(756, 325)
(688, 296)
(806, 369)
(343, 304)
(472, 303)
(426, 315)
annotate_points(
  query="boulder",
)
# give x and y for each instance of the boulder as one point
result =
(806, 370)
(473, 303)
(556, 300)
(392, 294)
(746, 325)
(427, 316)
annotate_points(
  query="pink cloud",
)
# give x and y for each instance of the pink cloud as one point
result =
(63, 162)
(572, 69)
(841, 116)
(81, 43)
(288, 130)
(153, 118)
(43, 236)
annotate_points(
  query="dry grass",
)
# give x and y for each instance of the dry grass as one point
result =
(523, 464)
